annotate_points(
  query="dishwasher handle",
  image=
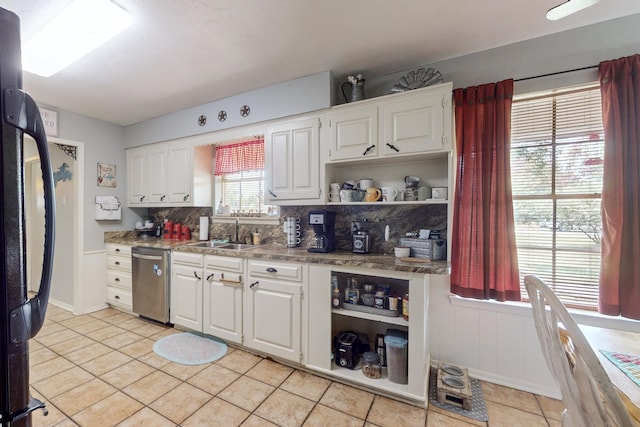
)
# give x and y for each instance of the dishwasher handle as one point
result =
(150, 257)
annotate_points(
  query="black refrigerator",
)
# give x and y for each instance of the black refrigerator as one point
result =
(20, 317)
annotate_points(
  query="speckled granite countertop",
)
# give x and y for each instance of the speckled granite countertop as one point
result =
(282, 253)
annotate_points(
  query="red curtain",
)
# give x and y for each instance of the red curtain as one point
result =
(620, 243)
(484, 262)
(239, 157)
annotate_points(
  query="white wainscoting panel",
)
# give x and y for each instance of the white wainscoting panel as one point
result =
(496, 342)
(93, 295)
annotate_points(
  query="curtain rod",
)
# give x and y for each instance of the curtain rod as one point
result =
(556, 73)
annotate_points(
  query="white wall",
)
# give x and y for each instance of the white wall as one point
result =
(103, 143)
(304, 94)
(557, 52)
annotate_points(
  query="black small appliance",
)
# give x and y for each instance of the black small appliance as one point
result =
(324, 225)
(349, 347)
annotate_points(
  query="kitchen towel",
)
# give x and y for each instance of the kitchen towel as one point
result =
(204, 228)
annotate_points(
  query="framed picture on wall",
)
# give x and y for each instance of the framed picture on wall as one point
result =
(106, 175)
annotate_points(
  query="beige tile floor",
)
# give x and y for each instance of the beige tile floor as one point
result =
(100, 370)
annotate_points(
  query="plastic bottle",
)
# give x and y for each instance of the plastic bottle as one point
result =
(220, 210)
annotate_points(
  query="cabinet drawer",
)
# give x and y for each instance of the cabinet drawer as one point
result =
(122, 250)
(224, 263)
(119, 262)
(276, 270)
(187, 258)
(119, 278)
(119, 296)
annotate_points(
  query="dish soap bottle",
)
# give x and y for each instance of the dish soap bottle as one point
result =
(220, 208)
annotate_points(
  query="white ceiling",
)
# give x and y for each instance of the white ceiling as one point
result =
(182, 53)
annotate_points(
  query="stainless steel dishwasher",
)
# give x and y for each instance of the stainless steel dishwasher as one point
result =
(150, 282)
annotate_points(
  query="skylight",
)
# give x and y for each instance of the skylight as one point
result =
(81, 27)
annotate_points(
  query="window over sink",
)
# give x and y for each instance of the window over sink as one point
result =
(239, 180)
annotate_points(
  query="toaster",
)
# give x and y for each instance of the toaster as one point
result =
(349, 347)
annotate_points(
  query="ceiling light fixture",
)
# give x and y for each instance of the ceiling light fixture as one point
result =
(80, 28)
(567, 8)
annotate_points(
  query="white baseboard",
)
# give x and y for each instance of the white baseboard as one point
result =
(61, 305)
(534, 388)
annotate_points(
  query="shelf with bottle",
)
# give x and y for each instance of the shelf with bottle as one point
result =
(394, 203)
(369, 297)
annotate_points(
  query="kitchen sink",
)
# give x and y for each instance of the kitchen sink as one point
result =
(222, 245)
(235, 246)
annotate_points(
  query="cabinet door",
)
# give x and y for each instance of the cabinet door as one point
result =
(179, 174)
(222, 310)
(136, 177)
(157, 176)
(292, 161)
(353, 133)
(186, 296)
(413, 125)
(273, 318)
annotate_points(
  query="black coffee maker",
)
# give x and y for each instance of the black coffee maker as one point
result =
(324, 225)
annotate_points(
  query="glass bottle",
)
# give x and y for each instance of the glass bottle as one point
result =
(335, 292)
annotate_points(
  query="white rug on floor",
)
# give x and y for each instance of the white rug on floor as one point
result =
(190, 349)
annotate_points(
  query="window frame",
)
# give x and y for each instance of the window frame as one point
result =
(554, 196)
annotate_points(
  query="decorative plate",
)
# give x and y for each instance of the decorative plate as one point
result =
(417, 79)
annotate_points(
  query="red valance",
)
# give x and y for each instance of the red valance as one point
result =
(240, 157)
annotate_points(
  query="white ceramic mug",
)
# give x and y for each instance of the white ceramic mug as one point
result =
(364, 184)
(389, 194)
(334, 195)
(334, 186)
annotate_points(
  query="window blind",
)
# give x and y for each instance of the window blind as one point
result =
(557, 151)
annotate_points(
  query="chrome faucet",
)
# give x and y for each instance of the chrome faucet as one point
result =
(237, 230)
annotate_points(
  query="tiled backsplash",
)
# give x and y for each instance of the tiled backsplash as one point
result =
(399, 218)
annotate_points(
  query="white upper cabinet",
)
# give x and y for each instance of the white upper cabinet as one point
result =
(292, 161)
(179, 186)
(415, 125)
(417, 122)
(136, 177)
(157, 175)
(190, 175)
(353, 133)
(170, 174)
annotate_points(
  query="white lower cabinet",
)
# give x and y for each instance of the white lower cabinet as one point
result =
(186, 290)
(222, 304)
(324, 323)
(273, 315)
(119, 276)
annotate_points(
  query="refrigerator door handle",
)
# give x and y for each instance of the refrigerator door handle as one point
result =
(21, 112)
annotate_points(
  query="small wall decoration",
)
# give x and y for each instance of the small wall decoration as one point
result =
(106, 175)
(62, 174)
(49, 121)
